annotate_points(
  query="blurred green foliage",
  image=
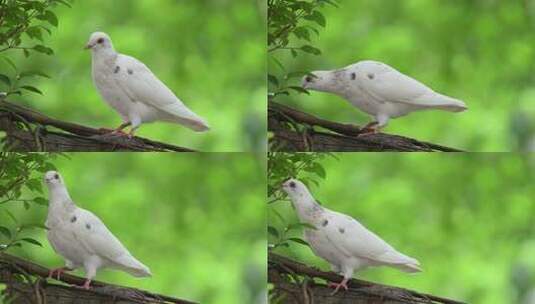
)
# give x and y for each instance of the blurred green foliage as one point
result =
(210, 53)
(467, 218)
(479, 51)
(197, 220)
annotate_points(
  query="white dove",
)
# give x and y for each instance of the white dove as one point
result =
(81, 238)
(130, 88)
(380, 91)
(341, 240)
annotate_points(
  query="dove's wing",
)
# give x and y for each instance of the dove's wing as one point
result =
(91, 232)
(140, 84)
(386, 84)
(353, 239)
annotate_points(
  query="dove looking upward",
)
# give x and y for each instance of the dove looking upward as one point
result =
(81, 238)
(380, 91)
(341, 240)
(130, 88)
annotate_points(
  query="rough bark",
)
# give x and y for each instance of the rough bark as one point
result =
(26, 283)
(298, 283)
(293, 131)
(28, 131)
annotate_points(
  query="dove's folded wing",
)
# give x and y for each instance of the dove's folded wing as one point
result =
(389, 85)
(98, 240)
(140, 84)
(353, 239)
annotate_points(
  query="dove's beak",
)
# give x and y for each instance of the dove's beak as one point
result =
(88, 46)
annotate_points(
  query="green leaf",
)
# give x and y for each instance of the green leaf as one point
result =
(50, 17)
(43, 49)
(10, 62)
(33, 73)
(6, 232)
(273, 231)
(299, 89)
(31, 241)
(298, 241)
(310, 49)
(273, 80)
(317, 17)
(5, 79)
(11, 216)
(40, 201)
(31, 89)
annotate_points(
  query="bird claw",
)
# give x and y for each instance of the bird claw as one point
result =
(337, 286)
(371, 128)
(59, 272)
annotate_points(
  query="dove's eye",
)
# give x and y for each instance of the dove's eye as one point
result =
(100, 40)
(308, 79)
(353, 76)
(56, 176)
(292, 185)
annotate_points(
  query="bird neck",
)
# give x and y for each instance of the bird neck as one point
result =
(107, 55)
(306, 206)
(59, 200)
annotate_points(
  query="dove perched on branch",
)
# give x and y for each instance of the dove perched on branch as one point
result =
(81, 238)
(130, 88)
(380, 91)
(341, 240)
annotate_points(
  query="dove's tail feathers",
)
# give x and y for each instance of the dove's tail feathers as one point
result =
(443, 102)
(134, 267)
(402, 262)
(179, 113)
(410, 268)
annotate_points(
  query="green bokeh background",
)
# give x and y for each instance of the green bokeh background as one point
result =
(479, 51)
(467, 218)
(197, 220)
(210, 53)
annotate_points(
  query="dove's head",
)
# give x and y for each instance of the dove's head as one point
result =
(295, 189)
(326, 81)
(98, 42)
(53, 178)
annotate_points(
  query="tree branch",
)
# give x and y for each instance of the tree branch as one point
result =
(26, 131)
(26, 283)
(292, 132)
(296, 283)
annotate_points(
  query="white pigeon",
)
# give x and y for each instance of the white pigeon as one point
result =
(130, 88)
(81, 238)
(341, 240)
(380, 91)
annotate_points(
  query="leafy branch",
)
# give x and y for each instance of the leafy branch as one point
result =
(25, 20)
(290, 21)
(17, 176)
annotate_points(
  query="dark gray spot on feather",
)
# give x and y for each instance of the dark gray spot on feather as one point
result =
(117, 69)
(325, 222)
(87, 226)
(73, 219)
(371, 76)
(341, 230)
(130, 71)
(353, 76)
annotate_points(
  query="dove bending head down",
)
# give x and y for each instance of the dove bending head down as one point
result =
(380, 91)
(81, 238)
(131, 89)
(341, 240)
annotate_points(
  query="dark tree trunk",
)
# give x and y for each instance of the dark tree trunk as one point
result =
(27, 131)
(296, 283)
(293, 132)
(26, 284)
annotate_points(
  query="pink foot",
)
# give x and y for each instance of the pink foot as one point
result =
(368, 129)
(87, 284)
(337, 286)
(59, 272)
